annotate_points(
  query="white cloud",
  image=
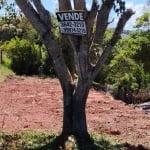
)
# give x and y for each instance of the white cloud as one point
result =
(138, 9)
(88, 6)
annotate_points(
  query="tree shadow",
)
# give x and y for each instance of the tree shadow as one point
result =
(51, 142)
(70, 143)
(86, 143)
(56, 144)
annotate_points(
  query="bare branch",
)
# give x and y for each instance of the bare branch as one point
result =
(116, 36)
(53, 49)
(91, 17)
(44, 14)
(102, 20)
(79, 50)
(32, 15)
(64, 5)
(83, 60)
(111, 21)
(82, 43)
(121, 23)
(80, 4)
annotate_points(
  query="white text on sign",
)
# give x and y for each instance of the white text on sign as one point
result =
(70, 16)
(72, 22)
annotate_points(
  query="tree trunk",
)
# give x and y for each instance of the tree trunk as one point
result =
(79, 123)
(67, 116)
(74, 120)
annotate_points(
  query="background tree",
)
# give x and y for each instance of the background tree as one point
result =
(128, 70)
(126, 76)
(75, 91)
(143, 21)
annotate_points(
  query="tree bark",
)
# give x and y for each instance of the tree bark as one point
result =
(79, 111)
(74, 120)
(67, 110)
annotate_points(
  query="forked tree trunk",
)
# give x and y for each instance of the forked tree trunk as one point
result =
(74, 120)
(75, 96)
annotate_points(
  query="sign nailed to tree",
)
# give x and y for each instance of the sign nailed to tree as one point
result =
(72, 22)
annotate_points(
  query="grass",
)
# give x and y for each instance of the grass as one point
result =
(25, 140)
(4, 72)
(42, 140)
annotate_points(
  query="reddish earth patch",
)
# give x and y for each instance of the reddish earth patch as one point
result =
(34, 103)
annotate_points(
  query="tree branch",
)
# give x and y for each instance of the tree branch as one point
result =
(116, 36)
(81, 46)
(51, 45)
(120, 26)
(77, 42)
(82, 58)
(80, 4)
(64, 5)
(102, 21)
(91, 17)
(32, 16)
(43, 13)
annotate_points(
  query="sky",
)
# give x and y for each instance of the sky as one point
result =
(137, 5)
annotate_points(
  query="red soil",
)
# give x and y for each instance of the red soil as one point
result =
(33, 103)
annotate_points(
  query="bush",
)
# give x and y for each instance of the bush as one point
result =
(126, 76)
(25, 56)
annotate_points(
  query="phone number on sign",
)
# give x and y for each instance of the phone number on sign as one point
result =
(72, 24)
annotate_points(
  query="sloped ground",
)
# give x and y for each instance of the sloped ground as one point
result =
(34, 103)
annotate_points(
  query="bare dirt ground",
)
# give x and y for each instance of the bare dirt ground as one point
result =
(33, 104)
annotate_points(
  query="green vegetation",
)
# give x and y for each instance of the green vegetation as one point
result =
(25, 140)
(4, 71)
(143, 21)
(48, 140)
(127, 70)
(23, 51)
(24, 56)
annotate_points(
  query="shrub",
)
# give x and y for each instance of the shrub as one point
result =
(126, 76)
(25, 56)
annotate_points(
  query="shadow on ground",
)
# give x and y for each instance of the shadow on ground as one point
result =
(102, 144)
(43, 141)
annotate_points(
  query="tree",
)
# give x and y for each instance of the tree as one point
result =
(143, 21)
(126, 76)
(140, 44)
(128, 70)
(75, 91)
